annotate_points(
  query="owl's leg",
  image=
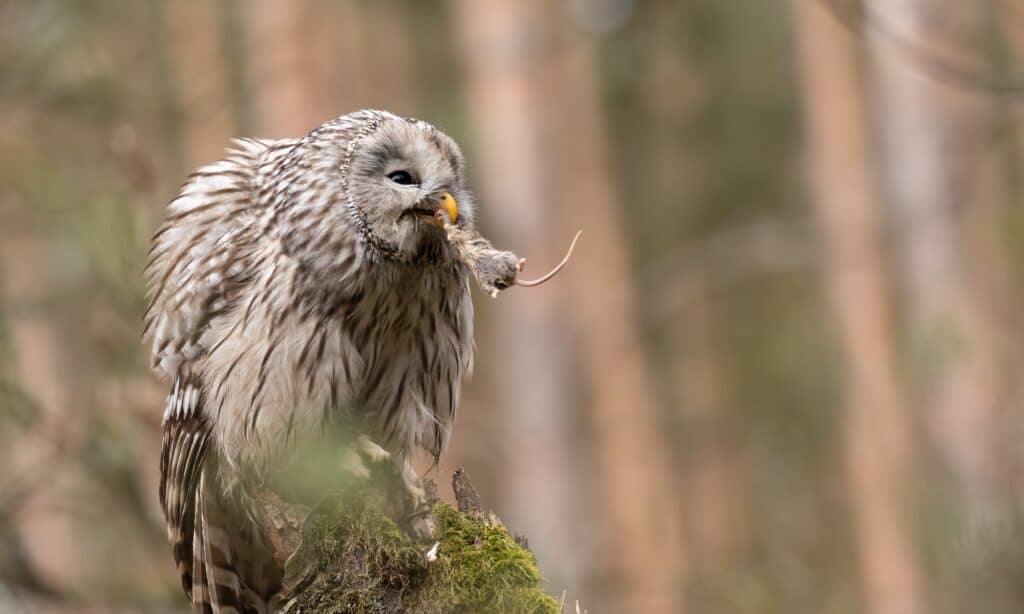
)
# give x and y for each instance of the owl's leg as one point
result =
(411, 481)
(359, 459)
(368, 454)
(420, 520)
(372, 451)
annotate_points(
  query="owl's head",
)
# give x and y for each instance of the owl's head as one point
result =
(384, 177)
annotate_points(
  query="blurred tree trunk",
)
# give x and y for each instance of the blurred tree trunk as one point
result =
(233, 28)
(988, 214)
(1009, 15)
(505, 80)
(878, 445)
(292, 75)
(643, 543)
(932, 133)
(716, 485)
(717, 520)
(384, 59)
(313, 60)
(198, 55)
(38, 497)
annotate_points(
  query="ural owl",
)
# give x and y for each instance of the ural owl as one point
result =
(290, 281)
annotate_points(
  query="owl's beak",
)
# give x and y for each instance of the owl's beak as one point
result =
(432, 208)
(450, 207)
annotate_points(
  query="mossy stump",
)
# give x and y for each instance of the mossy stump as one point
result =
(348, 554)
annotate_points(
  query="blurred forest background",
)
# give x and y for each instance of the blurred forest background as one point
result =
(783, 373)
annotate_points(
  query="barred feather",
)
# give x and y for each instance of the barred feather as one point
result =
(202, 253)
(289, 281)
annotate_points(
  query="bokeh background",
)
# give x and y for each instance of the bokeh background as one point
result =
(783, 372)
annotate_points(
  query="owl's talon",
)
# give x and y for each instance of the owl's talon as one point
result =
(414, 486)
(421, 520)
(372, 451)
(354, 464)
(424, 527)
(360, 459)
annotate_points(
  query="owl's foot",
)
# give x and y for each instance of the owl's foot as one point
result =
(371, 451)
(367, 458)
(360, 460)
(421, 521)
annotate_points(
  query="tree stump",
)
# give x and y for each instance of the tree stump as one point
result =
(354, 552)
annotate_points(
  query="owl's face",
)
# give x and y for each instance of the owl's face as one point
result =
(400, 174)
(372, 177)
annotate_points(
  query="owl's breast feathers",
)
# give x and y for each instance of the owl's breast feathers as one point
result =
(276, 346)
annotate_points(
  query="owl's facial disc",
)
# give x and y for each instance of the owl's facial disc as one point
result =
(403, 175)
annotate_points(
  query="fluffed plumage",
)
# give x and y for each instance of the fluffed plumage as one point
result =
(293, 280)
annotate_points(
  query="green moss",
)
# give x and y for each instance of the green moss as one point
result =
(354, 558)
(483, 569)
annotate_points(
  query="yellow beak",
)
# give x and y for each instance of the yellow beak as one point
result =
(450, 207)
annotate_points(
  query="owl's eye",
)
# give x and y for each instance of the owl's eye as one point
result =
(402, 178)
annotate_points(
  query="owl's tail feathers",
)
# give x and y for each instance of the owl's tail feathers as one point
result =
(221, 554)
(233, 571)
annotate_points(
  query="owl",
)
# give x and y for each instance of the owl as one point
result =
(294, 281)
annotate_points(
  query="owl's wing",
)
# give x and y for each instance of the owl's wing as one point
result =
(202, 255)
(201, 258)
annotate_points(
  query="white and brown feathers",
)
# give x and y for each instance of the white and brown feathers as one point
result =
(290, 282)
